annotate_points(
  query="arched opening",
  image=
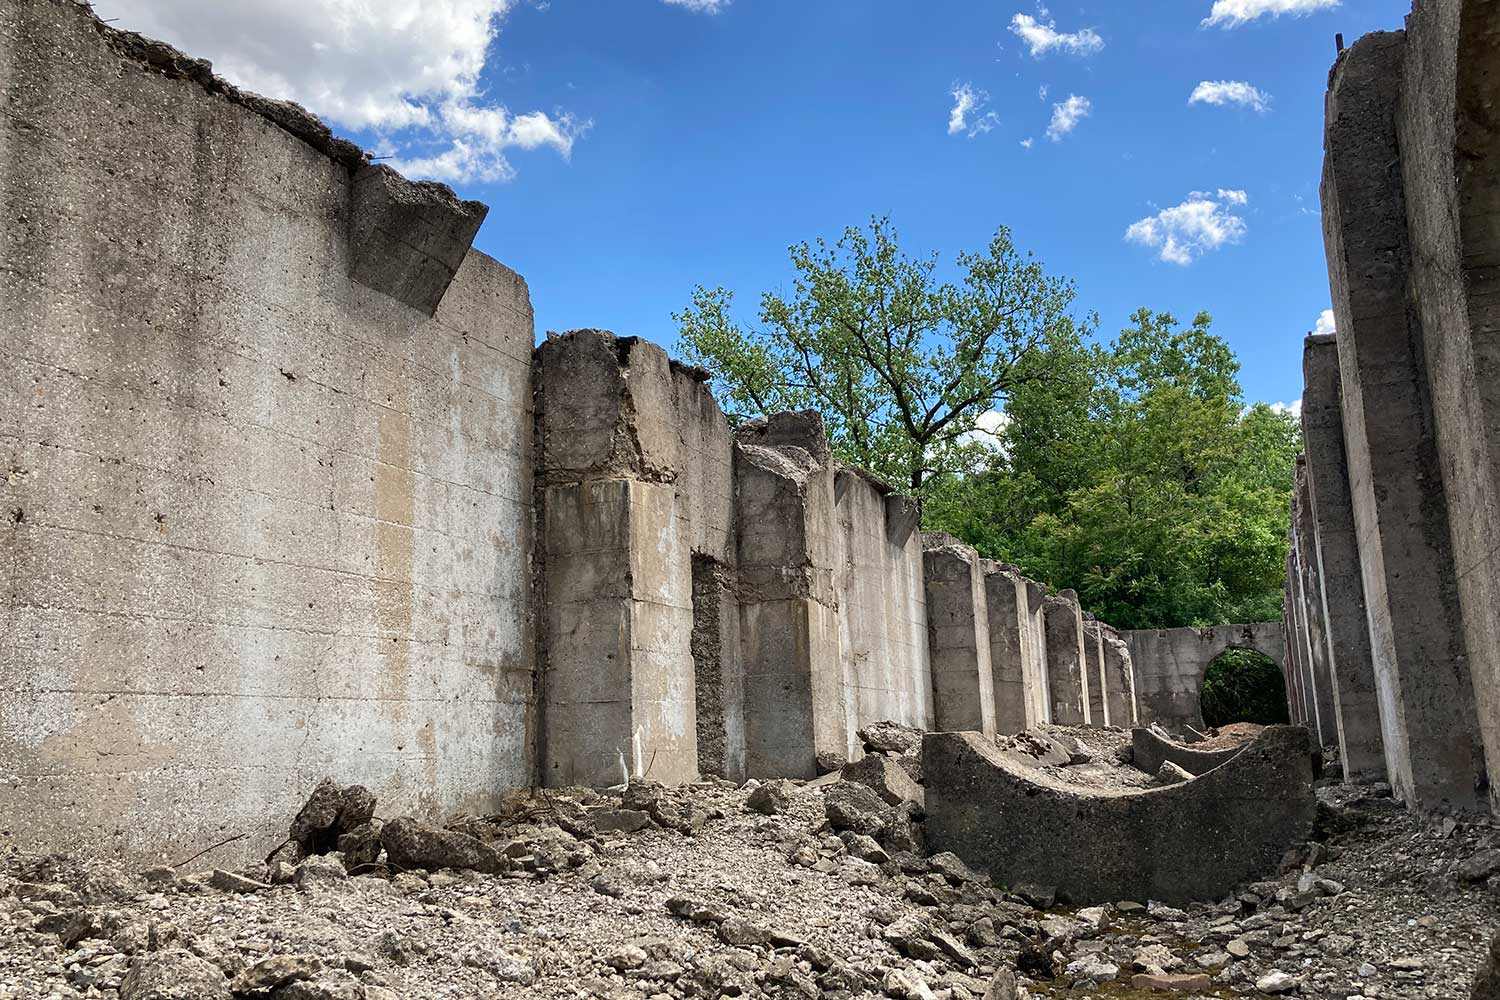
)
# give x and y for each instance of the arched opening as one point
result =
(1243, 685)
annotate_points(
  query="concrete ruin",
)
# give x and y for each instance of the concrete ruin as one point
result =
(1193, 840)
(1396, 580)
(1170, 665)
(411, 550)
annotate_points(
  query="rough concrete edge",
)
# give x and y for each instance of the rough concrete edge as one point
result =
(1151, 750)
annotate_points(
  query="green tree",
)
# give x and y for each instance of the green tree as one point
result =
(1139, 478)
(901, 364)
(1242, 685)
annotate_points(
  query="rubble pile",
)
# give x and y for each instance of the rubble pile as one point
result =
(780, 889)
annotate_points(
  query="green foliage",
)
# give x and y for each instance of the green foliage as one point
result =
(1243, 686)
(901, 365)
(1142, 481)
(1132, 472)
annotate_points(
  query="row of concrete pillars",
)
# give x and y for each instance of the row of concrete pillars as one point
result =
(1393, 593)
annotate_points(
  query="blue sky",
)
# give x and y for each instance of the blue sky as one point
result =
(630, 149)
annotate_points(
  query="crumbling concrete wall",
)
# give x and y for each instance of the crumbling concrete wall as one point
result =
(1119, 680)
(958, 635)
(1400, 503)
(265, 426)
(1342, 597)
(1093, 649)
(1308, 585)
(1170, 665)
(633, 482)
(1067, 660)
(1018, 660)
(1448, 131)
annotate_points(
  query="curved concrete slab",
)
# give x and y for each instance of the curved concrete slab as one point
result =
(1151, 750)
(1195, 840)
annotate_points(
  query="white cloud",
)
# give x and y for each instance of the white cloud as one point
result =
(1294, 408)
(1027, 142)
(1325, 323)
(988, 432)
(1042, 38)
(967, 100)
(701, 6)
(408, 72)
(1233, 13)
(1231, 92)
(1185, 232)
(1066, 116)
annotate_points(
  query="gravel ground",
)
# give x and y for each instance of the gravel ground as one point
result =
(736, 902)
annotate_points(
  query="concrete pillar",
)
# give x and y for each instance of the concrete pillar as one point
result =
(1013, 661)
(958, 634)
(615, 565)
(1067, 663)
(1296, 643)
(1342, 597)
(1039, 694)
(1119, 680)
(1448, 123)
(795, 720)
(1429, 726)
(1093, 649)
(1311, 595)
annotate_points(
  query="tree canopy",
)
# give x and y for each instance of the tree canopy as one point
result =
(901, 365)
(1131, 471)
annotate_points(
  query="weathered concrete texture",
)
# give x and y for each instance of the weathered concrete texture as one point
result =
(1067, 661)
(1170, 665)
(1119, 680)
(1448, 131)
(1309, 586)
(958, 635)
(1017, 654)
(795, 719)
(265, 524)
(1093, 650)
(1194, 840)
(1342, 597)
(1150, 750)
(408, 238)
(882, 606)
(634, 465)
(1429, 726)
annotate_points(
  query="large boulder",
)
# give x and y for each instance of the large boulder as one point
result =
(885, 777)
(330, 812)
(173, 975)
(410, 843)
(849, 805)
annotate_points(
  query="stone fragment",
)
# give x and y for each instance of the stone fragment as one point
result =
(1194, 983)
(952, 867)
(173, 974)
(1479, 867)
(627, 957)
(228, 881)
(1276, 982)
(1002, 986)
(361, 846)
(890, 737)
(769, 799)
(864, 847)
(274, 971)
(329, 812)
(887, 777)
(1172, 774)
(410, 843)
(320, 869)
(621, 820)
(1239, 948)
(852, 806)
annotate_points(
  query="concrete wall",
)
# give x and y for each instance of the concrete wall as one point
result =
(882, 606)
(1342, 597)
(1309, 590)
(1448, 131)
(1119, 680)
(1018, 659)
(1170, 665)
(1067, 660)
(266, 522)
(1093, 649)
(958, 635)
(1400, 504)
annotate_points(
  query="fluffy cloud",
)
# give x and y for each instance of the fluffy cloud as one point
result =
(1233, 13)
(1183, 233)
(1294, 408)
(1325, 323)
(1231, 92)
(1044, 38)
(966, 101)
(701, 6)
(1066, 116)
(407, 72)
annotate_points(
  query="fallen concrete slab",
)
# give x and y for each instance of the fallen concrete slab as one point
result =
(1195, 840)
(1150, 750)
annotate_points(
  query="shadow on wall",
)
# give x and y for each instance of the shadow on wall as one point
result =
(1243, 685)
